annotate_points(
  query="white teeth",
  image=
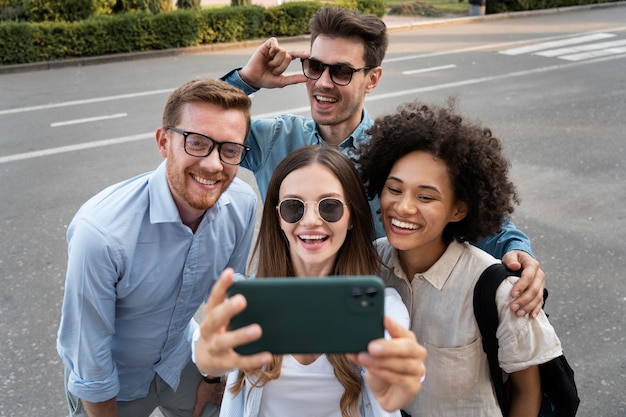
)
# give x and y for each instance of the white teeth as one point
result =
(312, 237)
(325, 99)
(205, 181)
(404, 225)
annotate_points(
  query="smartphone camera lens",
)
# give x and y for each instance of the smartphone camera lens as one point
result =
(371, 292)
(356, 292)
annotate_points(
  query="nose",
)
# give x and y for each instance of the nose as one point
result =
(324, 80)
(311, 216)
(212, 162)
(406, 205)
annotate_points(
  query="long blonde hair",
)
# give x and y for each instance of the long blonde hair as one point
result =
(357, 256)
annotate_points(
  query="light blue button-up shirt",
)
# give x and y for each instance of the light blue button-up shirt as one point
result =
(136, 275)
(271, 140)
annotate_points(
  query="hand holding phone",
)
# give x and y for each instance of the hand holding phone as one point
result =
(213, 348)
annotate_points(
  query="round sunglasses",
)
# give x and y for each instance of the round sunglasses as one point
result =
(329, 209)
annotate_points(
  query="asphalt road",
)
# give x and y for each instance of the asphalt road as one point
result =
(67, 133)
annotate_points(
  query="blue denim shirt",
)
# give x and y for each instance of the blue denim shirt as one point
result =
(136, 276)
(271, 140)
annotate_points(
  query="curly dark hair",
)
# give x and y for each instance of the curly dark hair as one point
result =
(478, 169)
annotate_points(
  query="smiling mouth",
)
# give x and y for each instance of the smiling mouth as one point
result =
(312, 239)
(404, 225)
(323, 99)
(204, 180)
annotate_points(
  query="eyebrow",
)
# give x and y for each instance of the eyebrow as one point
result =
(336, 63)
(327, 195)
(421, 186)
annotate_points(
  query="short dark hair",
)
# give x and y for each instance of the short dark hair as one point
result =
(478, 170)
(337, 22)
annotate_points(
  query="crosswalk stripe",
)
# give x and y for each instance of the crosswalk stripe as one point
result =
(556, 44)
(582, 48)
(593, 54)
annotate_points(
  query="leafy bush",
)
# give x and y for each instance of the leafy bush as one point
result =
(12, 10)
(104, 7)
(176, 30)
(15, 44)
(376, 7)
(231, 24)
(188, 4)
(58, 10)
(289, 19)
(154, 6)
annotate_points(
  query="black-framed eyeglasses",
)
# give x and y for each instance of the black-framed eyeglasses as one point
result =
(329, 209)
(196, 144)
(340, 74)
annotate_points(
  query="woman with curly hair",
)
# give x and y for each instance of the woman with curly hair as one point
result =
(443, 183)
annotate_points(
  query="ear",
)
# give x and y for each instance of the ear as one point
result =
(459, 212)
(162, 141)
(373, 79)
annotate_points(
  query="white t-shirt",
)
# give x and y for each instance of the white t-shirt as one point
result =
(315, 395)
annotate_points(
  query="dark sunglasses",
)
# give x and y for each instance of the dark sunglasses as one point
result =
(340, 74)
(329, 209)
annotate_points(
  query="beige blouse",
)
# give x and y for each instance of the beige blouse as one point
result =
(440, 304)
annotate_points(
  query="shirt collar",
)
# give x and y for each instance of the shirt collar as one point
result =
(356, 138)
(438, 274)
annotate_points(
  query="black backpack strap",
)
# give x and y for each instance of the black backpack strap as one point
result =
(486, 313)
(557, 377)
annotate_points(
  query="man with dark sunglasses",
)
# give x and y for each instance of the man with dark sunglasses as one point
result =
(144, 254)
(342, 67)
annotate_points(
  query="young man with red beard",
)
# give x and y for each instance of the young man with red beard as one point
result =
(144, 254)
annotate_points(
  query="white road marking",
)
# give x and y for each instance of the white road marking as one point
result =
(72, 148)
(556, 44)
(582, 48)
(593, 54)
(85, 101)
(418, 71)
(88, 120)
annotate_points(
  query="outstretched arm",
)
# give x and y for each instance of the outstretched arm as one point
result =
(268, 63)
(395, 367)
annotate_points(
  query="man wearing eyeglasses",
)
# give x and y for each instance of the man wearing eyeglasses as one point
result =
(144, 254)
(344, 64)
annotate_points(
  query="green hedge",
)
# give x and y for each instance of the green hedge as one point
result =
(289, 19)
(143, 31)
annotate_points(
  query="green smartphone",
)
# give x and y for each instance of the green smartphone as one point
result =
(337, 314)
